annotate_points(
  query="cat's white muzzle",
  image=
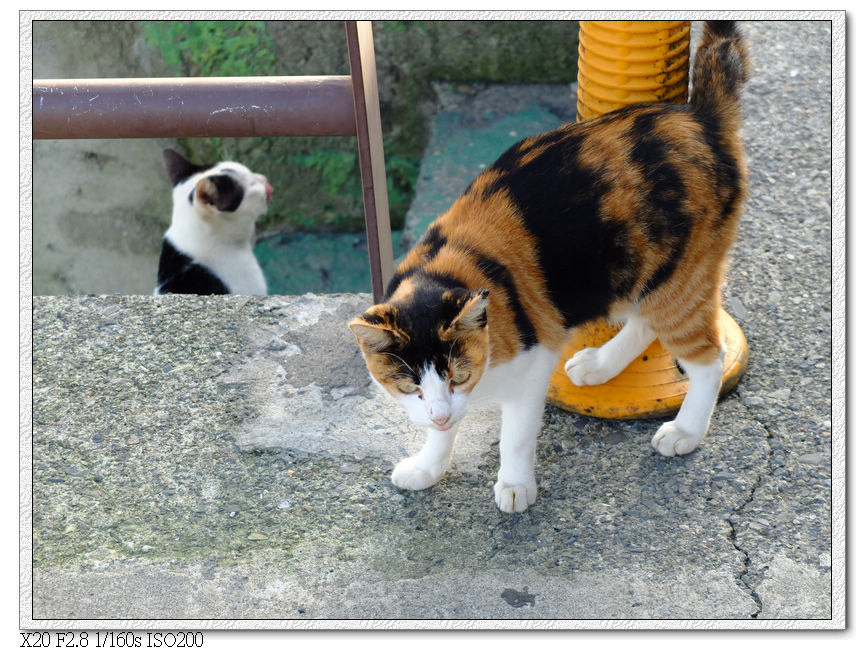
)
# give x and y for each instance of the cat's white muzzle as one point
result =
(268, 188)
(435, 405)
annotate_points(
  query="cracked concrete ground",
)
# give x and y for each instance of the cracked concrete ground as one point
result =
(227, 458)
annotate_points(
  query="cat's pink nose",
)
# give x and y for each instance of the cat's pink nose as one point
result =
(269, 190)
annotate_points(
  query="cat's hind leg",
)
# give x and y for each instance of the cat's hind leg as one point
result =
(697, 342)
(682, 435)
(592, 366)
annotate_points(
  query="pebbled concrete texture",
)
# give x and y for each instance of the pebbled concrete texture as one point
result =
(227, 458)
(193, 457)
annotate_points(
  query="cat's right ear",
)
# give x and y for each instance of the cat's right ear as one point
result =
(178, 167)
(376, 330)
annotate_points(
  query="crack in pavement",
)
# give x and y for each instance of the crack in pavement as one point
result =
(740, 578)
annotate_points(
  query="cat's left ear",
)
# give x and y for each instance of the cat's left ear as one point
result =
(472, 314)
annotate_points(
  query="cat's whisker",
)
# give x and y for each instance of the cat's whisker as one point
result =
(401, 360)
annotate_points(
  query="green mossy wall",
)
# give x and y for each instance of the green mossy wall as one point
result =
(317, 179)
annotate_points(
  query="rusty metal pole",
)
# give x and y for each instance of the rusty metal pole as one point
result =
(192, 107)
(361, 55)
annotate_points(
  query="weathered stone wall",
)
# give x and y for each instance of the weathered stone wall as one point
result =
(99, 206)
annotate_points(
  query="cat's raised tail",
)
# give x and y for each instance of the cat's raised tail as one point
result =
(721, 66)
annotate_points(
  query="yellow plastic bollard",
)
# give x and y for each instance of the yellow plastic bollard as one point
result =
(623, 63)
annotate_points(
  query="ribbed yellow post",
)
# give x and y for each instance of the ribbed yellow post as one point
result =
(629, 62)
(623, 63)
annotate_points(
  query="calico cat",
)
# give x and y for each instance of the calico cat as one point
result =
(627, 216)
(208, 247)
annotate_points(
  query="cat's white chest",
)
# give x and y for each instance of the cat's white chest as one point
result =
(233, 263)
(524, 375)
(240, 272)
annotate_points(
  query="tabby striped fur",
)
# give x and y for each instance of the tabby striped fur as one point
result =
(627, 216)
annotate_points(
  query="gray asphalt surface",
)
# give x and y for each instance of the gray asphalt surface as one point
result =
(227, 458)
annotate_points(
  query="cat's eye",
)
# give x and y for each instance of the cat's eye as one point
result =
(460, 377)
(407, 387)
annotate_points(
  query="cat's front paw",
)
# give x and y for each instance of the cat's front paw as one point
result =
(411, 474)
(670, 440)
(515, 498)
(585, 368)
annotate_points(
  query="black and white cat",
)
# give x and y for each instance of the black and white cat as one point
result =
(208, 247)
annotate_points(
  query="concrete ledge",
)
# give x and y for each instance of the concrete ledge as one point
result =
(228, 458)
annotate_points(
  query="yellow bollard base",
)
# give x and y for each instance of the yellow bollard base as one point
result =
(651, 386)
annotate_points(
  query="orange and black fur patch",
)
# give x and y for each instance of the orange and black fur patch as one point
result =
(632, 211)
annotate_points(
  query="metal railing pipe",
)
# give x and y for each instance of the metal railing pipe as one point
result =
(361, 57)
(193, 107)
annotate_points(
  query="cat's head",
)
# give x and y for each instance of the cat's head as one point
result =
(428, 349)
(221, 194)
